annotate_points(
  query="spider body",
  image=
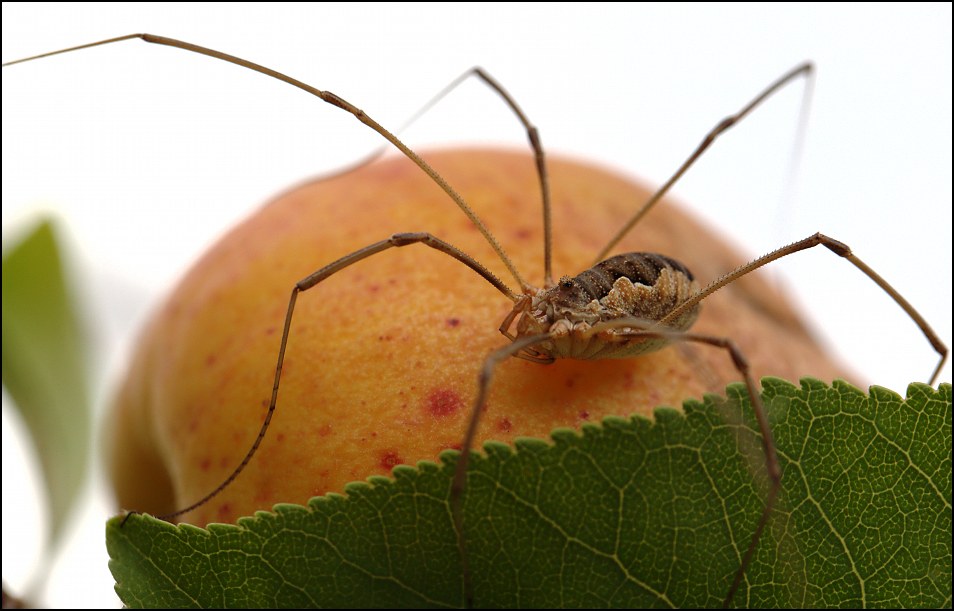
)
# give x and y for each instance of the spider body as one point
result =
(644, 286)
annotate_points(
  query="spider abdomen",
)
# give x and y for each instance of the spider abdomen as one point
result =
(639, 267)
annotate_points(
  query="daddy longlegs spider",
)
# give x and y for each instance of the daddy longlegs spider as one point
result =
(623, 306)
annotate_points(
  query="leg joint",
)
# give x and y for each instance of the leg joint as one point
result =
(403, 239)
(839, 248)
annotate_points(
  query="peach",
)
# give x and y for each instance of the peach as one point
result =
(382, 362)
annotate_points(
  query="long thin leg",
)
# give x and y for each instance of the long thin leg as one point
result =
(330, 98)
(396, 240)
(806, 69)
(772, 467)
(532, 135)
(460, 472)
(842, 250)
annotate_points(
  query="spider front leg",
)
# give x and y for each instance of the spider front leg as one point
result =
(842, 250)
(459, 482)
(311, 281)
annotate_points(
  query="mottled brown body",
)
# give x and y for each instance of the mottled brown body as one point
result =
(640, 286)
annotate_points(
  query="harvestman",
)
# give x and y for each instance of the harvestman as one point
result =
(623, 306)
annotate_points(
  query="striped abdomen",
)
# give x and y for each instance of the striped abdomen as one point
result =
(595, 283)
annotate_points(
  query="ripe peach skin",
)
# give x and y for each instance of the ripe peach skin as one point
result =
(382, 363)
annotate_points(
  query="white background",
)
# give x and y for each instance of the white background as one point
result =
(148, 153)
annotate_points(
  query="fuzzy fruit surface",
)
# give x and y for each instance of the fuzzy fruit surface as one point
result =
(383, 357)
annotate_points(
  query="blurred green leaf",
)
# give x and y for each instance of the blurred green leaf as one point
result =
(632, 513)
(44, 365)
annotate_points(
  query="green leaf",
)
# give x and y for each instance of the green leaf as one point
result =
(630, 513)
(44, 365)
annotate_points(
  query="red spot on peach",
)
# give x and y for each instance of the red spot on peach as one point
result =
(584, 415)
(225, 510)
(210, 360)
(504, 425)
(280, 437)
(628, 381)
(453, 322)
(443, 402)
(325, 430)
(390, 459)
(205, 464)
(523, 234)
